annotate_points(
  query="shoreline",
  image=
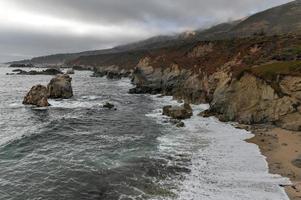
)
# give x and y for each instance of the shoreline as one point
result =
(280, 147)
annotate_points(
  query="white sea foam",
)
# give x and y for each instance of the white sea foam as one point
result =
(70, 103)
(223, 166)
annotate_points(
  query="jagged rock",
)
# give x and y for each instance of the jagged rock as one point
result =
(178, 112)
(34, 72)
(60, 87)
(250, 100)
(180, 124)
(50, 72)
(108, 105)
(70, 71)
(38, 95)
(145, 90)
(291, 85)
(172, 80)
(111, 72)
(21, 65)
(81, 68)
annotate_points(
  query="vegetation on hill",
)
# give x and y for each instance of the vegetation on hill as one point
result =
(279, 20)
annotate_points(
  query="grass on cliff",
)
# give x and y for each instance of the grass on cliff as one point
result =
(270, 72)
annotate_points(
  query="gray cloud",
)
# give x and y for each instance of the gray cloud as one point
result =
(52, 26)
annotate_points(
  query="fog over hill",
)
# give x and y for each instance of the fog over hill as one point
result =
(30, 29)
(288, 21)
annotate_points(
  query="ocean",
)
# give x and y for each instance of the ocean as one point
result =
(76, 149)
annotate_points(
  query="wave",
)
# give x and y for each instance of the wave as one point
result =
(223, 165)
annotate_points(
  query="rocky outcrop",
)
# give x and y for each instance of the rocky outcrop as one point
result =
(251, 100)
(244, 97)
(201, 50)
(60, 87)
(178, 112)
(172, 80)
(81, 68)
(111, 72)
(34, 72)
(16, 65)
(38, 95)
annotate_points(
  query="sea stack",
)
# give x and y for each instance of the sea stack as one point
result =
(38, 95)
(60, 87)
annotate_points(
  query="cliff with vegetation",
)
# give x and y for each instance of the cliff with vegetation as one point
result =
(250, 80)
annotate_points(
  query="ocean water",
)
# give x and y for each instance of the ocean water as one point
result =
(75, 149)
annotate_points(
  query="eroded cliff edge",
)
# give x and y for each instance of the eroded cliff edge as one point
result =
(250, 80)
(265, 90)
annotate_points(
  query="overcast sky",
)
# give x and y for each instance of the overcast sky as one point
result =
(39, 27)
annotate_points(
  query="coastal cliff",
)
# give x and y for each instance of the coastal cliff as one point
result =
(267, 90)
(251, 80)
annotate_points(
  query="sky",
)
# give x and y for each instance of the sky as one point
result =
(30, 28)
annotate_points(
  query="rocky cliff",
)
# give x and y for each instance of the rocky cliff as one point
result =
(255, 80)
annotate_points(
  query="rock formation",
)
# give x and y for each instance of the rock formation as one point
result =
(240, 88)
(108, 105)
(34, 72)
(60, 87)
(111, 72)
(178, 112)
(38, 95)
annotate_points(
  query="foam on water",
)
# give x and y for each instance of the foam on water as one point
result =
(223, 165)
(69, 103)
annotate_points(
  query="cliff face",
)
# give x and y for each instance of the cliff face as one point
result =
(252, 100)
(248, 85)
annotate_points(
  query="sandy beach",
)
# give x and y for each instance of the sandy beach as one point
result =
(281, 148)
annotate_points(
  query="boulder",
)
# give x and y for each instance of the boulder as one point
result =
(60, 87)
(38, 95)
(178, 112)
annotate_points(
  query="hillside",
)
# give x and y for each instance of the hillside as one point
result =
(278, 20)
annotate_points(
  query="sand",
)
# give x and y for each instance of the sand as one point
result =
(281, 147)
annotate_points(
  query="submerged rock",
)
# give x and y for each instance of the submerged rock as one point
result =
(180, 124)
(38, 95)
(108, 105)
(178, 112)
(60, 87)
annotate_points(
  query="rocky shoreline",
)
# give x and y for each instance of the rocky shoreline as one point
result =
(264, 107)
(258, 84)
